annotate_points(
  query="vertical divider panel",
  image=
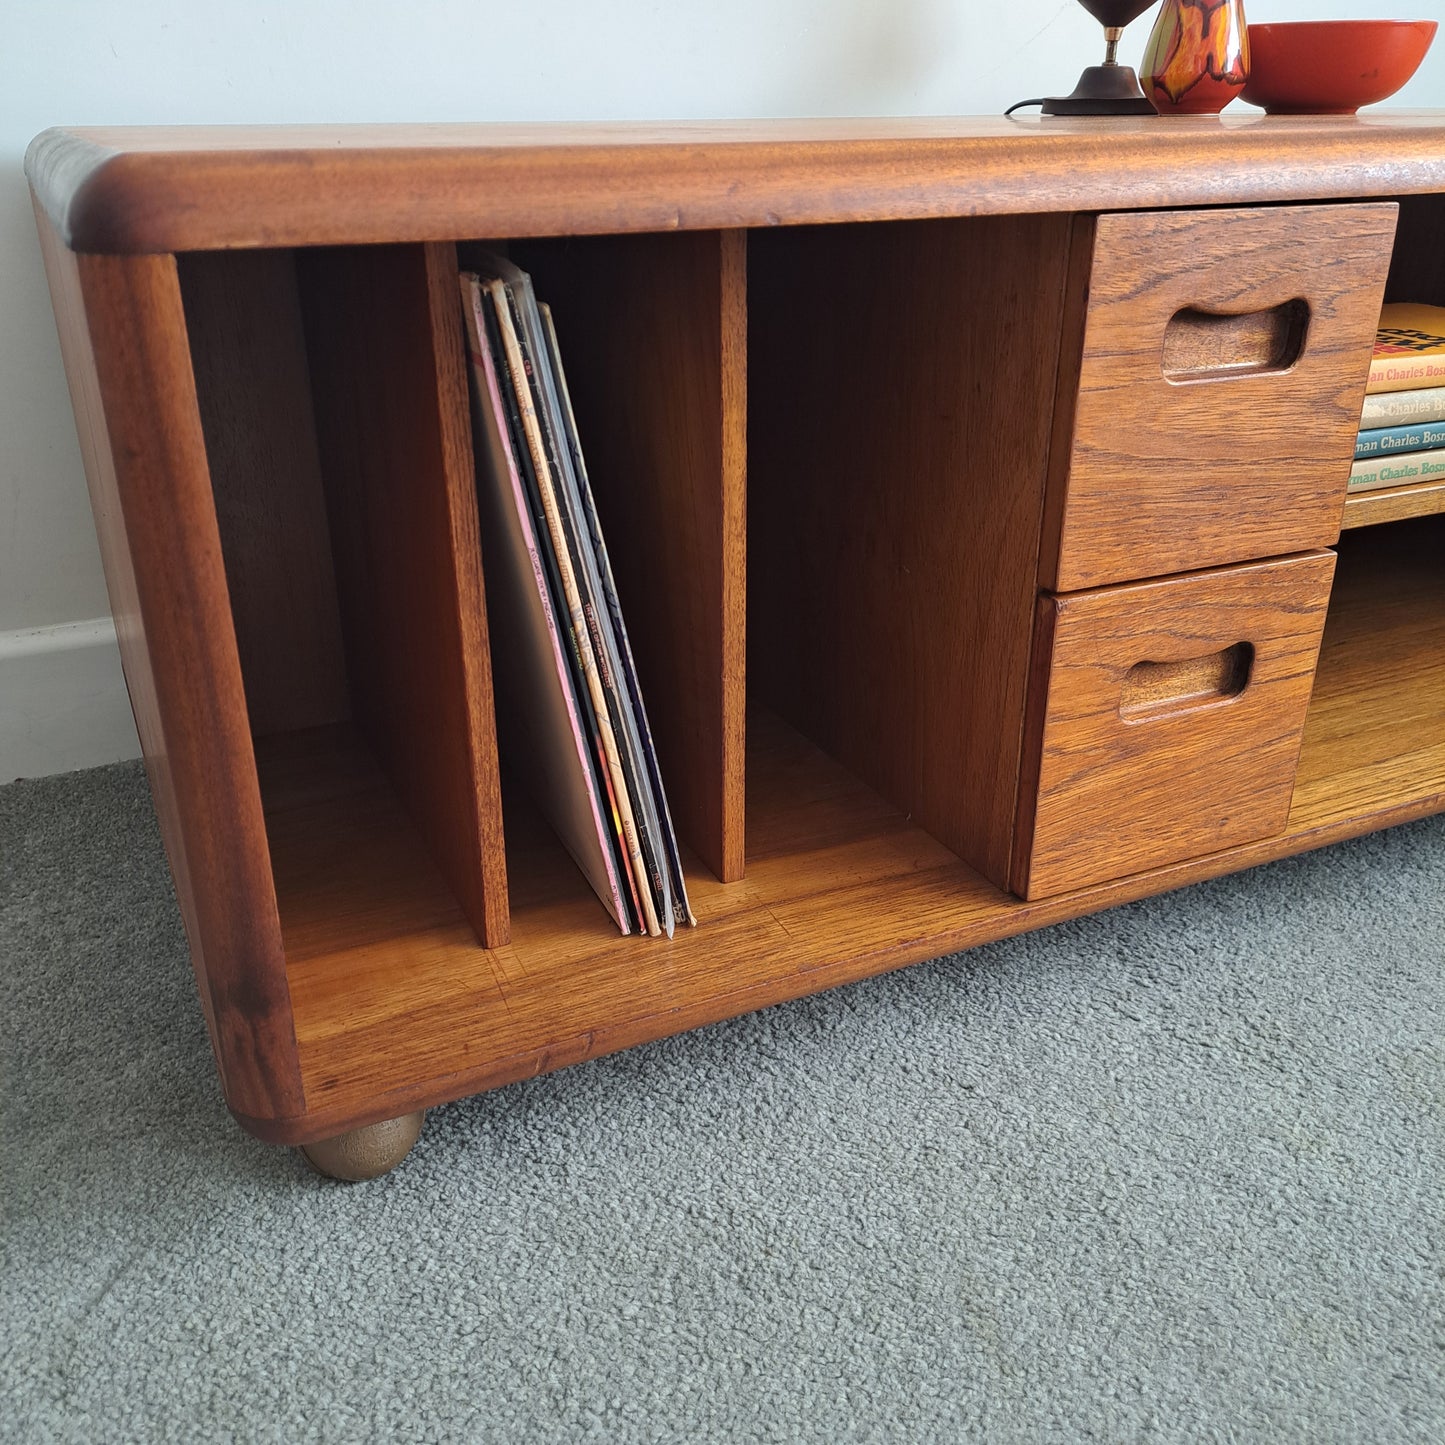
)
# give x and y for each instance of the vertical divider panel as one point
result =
(123, 338)
(653, 334)
(389, 385)
(1073, 317)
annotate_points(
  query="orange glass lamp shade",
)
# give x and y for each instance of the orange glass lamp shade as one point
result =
(1197, 57)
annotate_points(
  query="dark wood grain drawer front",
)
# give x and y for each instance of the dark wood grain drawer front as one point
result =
(1166, 719)
(1221, 366)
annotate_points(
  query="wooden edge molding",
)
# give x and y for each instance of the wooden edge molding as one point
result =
(1073, 319)
(733, 530)
(124, 341)
(161, 189)
(1046, 615)
(1393, 504)
(63, 169)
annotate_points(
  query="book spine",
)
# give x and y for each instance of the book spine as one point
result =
(1399, 471)
(1406, 373)
(1424, 437)
(1402, 408)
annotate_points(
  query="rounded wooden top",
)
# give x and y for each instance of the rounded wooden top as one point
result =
(163, 189)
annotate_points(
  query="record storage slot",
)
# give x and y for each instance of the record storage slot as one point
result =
(900, 404)
(333, 402)
(333, 398)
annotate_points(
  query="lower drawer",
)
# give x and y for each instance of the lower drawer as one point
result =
(1165, 719)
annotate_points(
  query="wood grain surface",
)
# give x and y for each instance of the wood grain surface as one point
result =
(388, 376)
(1375, 733)
(398, 1007)
(1393, 504)
(157, 189)
(653, 333)
(1213, 345)
(1167, 475)
(123, 338)
(1112, 786)
(899, 425)
(249, 358)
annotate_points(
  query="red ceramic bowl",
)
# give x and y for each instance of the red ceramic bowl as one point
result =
(1332, 67)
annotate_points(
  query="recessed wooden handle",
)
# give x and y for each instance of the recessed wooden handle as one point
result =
(1201, 345)
(1153, 689)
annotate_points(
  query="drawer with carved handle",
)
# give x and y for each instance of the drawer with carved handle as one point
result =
(1165, 719)
(1210, 384)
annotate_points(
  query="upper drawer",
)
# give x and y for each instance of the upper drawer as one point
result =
(1210, 387)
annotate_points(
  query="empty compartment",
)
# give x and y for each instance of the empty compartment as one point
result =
(333, 401)
(1210, 384)
(1374, 737)
(1166, 719)
(900, 394)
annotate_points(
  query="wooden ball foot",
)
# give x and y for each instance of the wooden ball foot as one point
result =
(366, 1153)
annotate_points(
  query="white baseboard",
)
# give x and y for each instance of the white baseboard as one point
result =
(63, 703)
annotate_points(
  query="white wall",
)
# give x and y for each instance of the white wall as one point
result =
(102, 62)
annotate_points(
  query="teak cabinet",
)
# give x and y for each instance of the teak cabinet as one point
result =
(976, 491)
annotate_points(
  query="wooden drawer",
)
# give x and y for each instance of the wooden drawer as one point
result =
(1211, 379)
(1165, 719)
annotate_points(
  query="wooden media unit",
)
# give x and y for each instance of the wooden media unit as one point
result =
(977, 495)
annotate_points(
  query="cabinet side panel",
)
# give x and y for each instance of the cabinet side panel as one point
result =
(653, 334)
(123, 337)
(388, 375)
(900, 402)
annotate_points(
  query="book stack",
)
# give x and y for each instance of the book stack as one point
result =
(1402, 428)
(568, 700)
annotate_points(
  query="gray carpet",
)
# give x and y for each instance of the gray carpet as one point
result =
(1173, 1173)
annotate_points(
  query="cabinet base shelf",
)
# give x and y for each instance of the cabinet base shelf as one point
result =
(1393, 504)
(1375, 730)
(397, 1007)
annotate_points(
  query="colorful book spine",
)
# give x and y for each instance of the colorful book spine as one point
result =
(1406, 373)
(1399, 471)
(1424, 437)
(1409, 348)
(1403, 408)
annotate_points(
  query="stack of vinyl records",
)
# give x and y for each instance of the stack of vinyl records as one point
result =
(566, 684)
